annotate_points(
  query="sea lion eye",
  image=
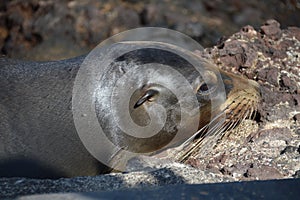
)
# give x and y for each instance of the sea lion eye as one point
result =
(206, 88)
(146, 97)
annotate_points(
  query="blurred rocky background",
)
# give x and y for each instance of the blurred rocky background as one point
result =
(52, 30)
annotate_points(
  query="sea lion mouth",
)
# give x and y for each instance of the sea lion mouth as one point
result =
(243, 97)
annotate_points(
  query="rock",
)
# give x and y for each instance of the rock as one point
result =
(288, 83)
(274, 137)
(294, 31)
(263, 173)
(297, 118)
(272, 29)
(192, 29)
(249, 31)
(297, 99)
(170, 174)
(289, 149)
(297, 174)
(272, 76)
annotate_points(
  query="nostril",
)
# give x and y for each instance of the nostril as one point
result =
(256, 86)
(254, 83)
(204, 87)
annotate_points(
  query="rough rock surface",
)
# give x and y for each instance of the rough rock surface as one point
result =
(268, 146)
(168, 174)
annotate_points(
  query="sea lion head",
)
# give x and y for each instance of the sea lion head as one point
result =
(157, 74)
(157, 81)
(151, 96)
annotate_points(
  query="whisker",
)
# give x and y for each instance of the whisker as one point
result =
(228, 118)
(199, 142)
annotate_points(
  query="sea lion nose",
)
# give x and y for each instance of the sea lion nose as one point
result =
(256, 86)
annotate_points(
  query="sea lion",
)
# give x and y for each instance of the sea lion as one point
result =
(38, 137)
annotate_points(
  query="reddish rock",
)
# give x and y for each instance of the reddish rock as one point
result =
(297, 100)
(297, 117)
(279, 53)
(294, 31)
(272, 76)
(263, 173)
(193, 162)
(272, 29)
(262, 74)
(285, 44)
(288, 83)
(267, 135)
(249, 31)
(238, 169)
(232, 54)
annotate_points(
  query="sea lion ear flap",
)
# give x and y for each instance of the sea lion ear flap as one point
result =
(146, 97)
